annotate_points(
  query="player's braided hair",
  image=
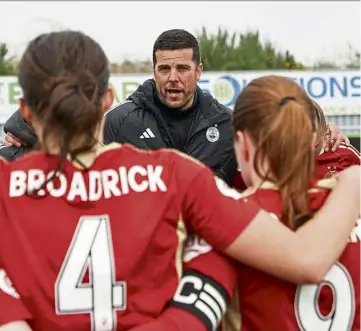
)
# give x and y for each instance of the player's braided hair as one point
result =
(64, 76)
(276, 113)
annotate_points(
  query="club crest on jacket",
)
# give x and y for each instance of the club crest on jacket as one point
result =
(212, 134)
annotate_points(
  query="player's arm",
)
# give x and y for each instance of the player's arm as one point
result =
(173, 319)
(203, 294)
(16, 326)
(208, 283)
(240, 228)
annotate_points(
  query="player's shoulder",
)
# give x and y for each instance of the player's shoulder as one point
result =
(176, 168)
(350, 152)
(168, 156)
(267, 195)
(30, 160)
(265, 189)
(3, 163)
(344, 153)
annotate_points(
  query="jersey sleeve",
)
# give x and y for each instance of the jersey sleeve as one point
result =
(354, 156)
(208, 283)
(199, 256)
(216, 212)
(206, 288)
(173, 319)
(12, 308)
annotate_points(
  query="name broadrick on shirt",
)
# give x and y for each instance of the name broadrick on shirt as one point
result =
(103, 184)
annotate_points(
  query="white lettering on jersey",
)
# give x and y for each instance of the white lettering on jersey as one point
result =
(102, 184)
(194, 247)
(6, 285)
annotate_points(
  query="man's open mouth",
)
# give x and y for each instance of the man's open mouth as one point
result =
(174, 92)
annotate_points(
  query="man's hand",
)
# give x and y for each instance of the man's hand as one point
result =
(334, 138)
(11, 140)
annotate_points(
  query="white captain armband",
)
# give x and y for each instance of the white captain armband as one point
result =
(203, 297)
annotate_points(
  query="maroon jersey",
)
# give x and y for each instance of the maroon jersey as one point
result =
(98, 249)
(266, 303)
(13, 308)
(330, 163)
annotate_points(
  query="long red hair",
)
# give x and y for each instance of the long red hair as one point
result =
(277, 114)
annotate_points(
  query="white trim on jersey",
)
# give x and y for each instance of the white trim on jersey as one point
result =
(351, 149)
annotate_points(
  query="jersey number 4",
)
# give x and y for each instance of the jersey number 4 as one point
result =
(91, 249)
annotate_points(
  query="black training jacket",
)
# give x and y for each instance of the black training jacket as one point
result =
(139, 122)
(19, 128)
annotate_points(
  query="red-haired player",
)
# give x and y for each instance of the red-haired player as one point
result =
(270, 112)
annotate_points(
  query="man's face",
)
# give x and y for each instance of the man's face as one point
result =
(176, 76)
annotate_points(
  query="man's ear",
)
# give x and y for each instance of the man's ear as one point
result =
(199, 71)
(25, 111)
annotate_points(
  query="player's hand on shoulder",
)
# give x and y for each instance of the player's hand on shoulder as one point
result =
(334, 138)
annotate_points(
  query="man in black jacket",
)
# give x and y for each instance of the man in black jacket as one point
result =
(171, 111)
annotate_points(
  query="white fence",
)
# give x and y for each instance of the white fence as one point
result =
(338, 92)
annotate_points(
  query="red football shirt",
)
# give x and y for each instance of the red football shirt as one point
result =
(266, 303)
(99, 249)
(13, 308)
(330, 163)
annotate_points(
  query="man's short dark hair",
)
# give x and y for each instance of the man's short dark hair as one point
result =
(177, 39)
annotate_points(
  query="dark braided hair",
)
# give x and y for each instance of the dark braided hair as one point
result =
(64, 76)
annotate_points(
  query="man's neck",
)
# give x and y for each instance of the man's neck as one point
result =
(189, 105)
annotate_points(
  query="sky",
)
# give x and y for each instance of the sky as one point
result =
(310, 30)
